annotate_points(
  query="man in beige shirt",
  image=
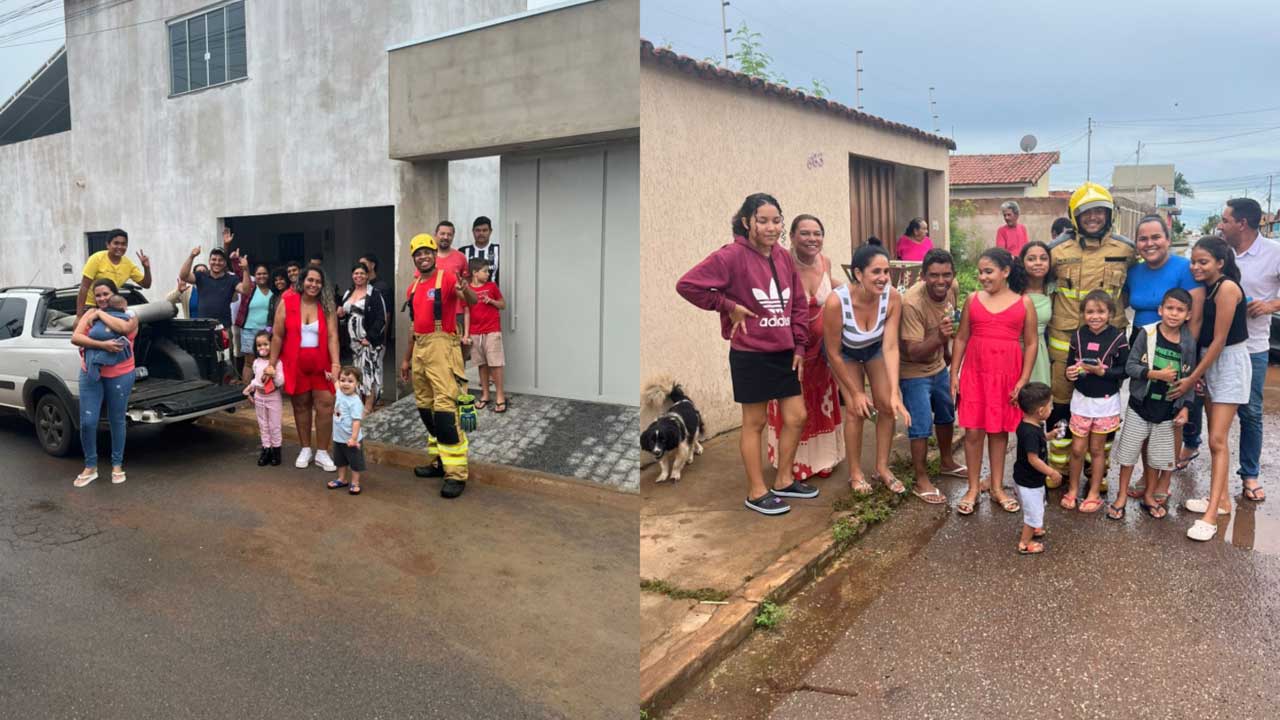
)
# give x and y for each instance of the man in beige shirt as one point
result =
(925, 333)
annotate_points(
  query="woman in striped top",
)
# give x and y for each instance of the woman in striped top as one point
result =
(868, 302)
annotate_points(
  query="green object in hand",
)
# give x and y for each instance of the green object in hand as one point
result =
(467, 412)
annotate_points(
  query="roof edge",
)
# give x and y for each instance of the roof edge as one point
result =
(34, 77)
(683, 63)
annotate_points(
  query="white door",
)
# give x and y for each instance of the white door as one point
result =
(571, 225)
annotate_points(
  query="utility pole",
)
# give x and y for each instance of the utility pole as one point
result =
(857, 93)
(724, 26)
(1088, 154)
(1269, 179)
(933, 111)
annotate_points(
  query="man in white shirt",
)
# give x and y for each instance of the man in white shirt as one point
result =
(481, 232)
(1259, 260)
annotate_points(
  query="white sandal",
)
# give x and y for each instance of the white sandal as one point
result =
(1202, 531)
(1201, 506)
(85, 477)
(117, 477)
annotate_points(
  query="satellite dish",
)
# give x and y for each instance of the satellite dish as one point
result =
(1028, 143)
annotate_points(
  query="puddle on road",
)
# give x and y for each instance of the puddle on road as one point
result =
(1253, 527)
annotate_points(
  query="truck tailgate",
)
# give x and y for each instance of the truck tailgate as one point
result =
(159, 399)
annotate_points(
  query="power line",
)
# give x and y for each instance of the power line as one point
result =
(1196, 117)
(1213, 139)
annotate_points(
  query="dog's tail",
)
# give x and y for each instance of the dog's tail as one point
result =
(658, 395)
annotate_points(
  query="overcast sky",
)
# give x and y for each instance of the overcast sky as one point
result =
(1145, 71)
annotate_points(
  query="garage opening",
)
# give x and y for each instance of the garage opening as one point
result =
(340, 237)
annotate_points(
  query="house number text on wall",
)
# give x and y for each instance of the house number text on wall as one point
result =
(815, 161)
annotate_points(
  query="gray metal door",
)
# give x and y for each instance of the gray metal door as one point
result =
(571, 225)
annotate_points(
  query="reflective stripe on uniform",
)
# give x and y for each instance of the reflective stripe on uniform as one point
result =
(1059, 344)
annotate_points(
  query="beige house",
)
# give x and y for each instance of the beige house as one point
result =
(1009, 176)
(712, 137)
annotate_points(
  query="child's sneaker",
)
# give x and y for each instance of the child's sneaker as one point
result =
(325, 462)
(304, 458)
(768, 504)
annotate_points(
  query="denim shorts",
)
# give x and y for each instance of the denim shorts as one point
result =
(928, 399)
(862, 355)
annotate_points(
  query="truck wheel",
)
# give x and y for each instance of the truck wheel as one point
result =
(53, 426)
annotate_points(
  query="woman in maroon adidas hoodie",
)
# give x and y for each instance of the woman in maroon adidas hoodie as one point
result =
(753, 284)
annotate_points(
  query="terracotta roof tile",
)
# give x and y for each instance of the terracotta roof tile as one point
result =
(708, 71)
(1011, 169)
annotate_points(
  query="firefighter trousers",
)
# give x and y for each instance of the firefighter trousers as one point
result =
(438, 380)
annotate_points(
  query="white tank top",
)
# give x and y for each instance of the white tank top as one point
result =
(851, 335)
(311, 335)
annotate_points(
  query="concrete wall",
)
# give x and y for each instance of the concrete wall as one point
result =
(36, 213)
(306, 131)
(1037, 214)
(695, 171)
(474, 191)
(543, 79)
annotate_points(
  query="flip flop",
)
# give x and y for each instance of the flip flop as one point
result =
(1095, 504)
(1152, 510)
(500, 407)
(335, 484)
(861, 488)
(933, 497)
(1116, 513)
(1009, 505)
(1184, 462)
(1068, 502)
(482, 404)
(1136, 492)
(1251, 493)
(354, 490)
(961, 472)
(894, 484)
(964, 507)
(1031, 548)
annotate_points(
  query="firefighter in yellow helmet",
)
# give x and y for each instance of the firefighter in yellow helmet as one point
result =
(1084, 258)
(433, 362)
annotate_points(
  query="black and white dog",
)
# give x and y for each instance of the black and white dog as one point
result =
(674, 437)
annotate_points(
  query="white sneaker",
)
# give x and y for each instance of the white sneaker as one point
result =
(1201, 506)
(325, 462)
(304, 458)
(1202, 531)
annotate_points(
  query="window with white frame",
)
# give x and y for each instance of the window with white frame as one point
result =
(207, 49)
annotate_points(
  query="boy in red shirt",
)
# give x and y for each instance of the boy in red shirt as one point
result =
(484, 333)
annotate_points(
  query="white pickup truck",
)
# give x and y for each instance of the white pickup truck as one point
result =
(183, 366)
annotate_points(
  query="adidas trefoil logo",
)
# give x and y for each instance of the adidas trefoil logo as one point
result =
(772, 302)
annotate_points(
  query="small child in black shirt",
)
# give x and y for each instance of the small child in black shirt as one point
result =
(1096, 365)
(1031, 466)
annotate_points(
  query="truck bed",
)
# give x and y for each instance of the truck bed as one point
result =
(181, 397)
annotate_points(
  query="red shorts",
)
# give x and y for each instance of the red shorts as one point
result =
(307, 372)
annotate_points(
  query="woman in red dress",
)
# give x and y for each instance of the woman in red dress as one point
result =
(822, 441)
(994, 353)
(304, 334)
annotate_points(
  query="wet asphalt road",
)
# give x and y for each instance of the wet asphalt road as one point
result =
(936, 616)
(207, 587)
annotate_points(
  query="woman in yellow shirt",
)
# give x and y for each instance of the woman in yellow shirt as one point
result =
(114, 266)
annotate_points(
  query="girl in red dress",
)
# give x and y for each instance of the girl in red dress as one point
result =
(995, 351)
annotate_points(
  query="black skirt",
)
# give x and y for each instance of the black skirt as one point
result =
(760, 377)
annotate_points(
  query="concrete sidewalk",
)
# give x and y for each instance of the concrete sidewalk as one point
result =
(696, 535)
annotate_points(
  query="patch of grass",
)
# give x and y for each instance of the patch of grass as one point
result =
(845, 530)
(770, 615)
(662, 587)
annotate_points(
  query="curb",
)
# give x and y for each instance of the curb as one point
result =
(665, 680)
(503, 476)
